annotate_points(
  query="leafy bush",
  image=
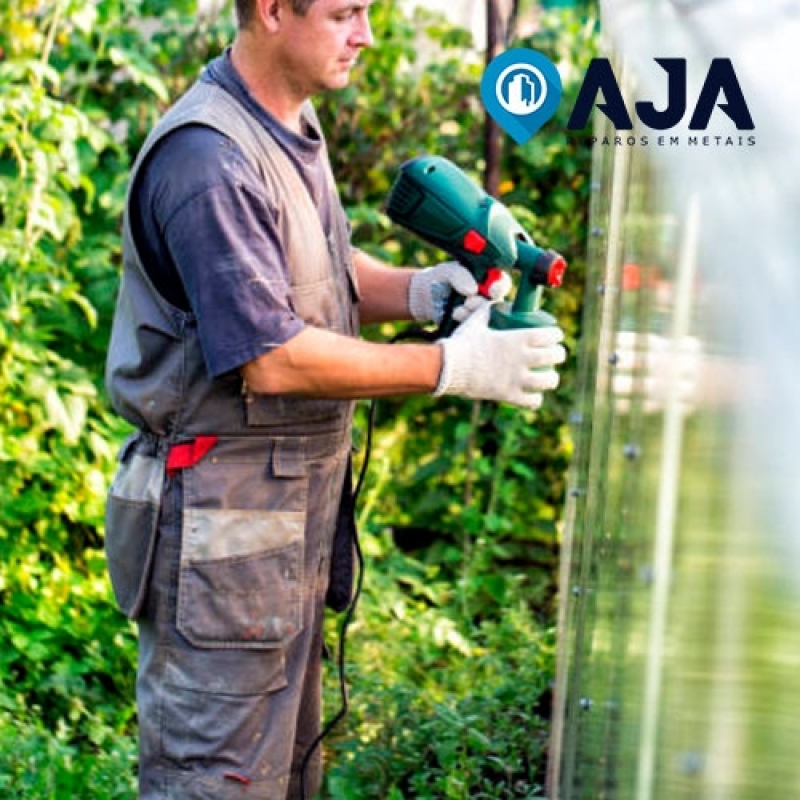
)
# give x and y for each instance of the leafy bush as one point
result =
(74, 81)
(439, 711)
(38, 762)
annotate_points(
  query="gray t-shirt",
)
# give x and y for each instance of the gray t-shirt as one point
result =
(200, 211)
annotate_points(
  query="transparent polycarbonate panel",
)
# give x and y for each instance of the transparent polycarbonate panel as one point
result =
(679, 626)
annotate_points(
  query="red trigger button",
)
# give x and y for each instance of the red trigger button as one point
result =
(493, 274)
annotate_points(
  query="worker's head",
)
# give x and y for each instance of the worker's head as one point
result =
(312, 43)
(245, 9)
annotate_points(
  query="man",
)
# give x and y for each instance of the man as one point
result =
(235, 353)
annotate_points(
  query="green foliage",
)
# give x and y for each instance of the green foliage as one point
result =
(450, 664)
(56, 436)
(38, 762)
(437, 714)
(393, 110)
(75, 81)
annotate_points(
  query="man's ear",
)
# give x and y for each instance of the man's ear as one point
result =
(270, 12)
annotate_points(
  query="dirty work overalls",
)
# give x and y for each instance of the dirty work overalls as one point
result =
(222, 512)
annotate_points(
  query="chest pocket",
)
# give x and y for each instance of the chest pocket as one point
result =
(326, 298)
(323, 298)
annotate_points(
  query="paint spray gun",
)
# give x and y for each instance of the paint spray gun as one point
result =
(433, 198)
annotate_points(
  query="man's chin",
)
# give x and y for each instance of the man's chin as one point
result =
(338, 81)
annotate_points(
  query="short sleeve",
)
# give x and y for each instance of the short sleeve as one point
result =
(219, 229)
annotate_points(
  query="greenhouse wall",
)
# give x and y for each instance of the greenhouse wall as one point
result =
(679, 623)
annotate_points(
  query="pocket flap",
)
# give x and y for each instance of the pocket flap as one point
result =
(288, 460)
(245, 532)
(140, 478)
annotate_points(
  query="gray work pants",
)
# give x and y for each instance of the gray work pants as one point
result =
(229, 685)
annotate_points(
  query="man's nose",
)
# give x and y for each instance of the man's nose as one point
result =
(362, 36)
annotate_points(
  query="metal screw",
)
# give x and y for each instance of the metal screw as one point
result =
(691, 762)
(631, 451)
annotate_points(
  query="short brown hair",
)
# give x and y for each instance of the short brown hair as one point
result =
(245, 9)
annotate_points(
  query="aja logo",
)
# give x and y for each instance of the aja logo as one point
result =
(521, 90)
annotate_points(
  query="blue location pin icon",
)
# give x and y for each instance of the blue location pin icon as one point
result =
(521, 90)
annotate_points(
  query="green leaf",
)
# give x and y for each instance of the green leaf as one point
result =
(139, 71)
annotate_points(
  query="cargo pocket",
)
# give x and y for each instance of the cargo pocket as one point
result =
(213, 706)
(132, 510)
(241, 569)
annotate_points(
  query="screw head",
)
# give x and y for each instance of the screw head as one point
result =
(691, 762)
(631, 451)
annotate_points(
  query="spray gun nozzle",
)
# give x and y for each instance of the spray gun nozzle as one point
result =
(548, 269)
(556, 270)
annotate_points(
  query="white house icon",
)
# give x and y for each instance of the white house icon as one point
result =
(519, 94)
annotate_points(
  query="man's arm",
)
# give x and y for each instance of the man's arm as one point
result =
(513, 366)
(393, 294)
(383, 288)
(325, 364)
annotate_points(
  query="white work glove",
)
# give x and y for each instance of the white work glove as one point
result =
(510, 366)
(430, 289)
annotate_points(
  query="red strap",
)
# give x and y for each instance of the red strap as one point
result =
(233, 776)
(187, 454)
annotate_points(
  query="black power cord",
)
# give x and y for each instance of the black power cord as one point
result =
(410, 333)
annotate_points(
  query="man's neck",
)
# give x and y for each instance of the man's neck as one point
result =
(266, 85)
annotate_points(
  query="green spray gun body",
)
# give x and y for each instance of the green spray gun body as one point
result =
(433, 198)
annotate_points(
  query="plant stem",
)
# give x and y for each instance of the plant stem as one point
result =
(469, 466)
(51, 32)
(498, 472)
(469, 483)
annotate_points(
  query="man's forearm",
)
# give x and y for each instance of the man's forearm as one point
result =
(319, 363)
(384, 289)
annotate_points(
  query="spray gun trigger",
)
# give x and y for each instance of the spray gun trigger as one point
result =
(493, 275)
